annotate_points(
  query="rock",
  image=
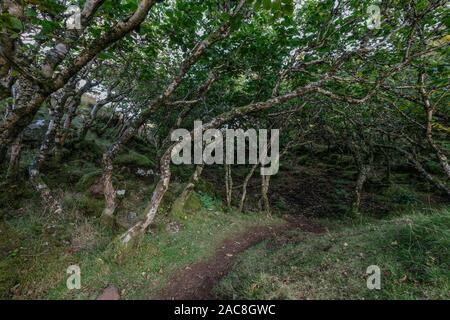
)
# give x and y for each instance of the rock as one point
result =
(38, 124)
(96, 190)
(109, 293)
(173, 227)
(144, 173)
(132, 217)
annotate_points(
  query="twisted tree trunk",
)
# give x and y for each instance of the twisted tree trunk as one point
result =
(429, 110)
(31, 91)
(434, 181)
(162, 100)
(189, 188)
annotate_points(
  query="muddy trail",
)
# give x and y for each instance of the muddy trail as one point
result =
(197, 280)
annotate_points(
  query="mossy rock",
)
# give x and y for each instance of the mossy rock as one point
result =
(193, 203)
(180, 211)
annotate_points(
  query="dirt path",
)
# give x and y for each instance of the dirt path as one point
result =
(197, 280)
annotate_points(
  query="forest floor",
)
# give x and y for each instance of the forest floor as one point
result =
(410, 250)
(196, 281)
(215, 252)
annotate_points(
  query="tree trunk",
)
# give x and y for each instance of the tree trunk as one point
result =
(44, 191)
(28, 100)
(228, 184)
(189, 188)
(71, 113)
(49, 139)
(14, 162)
(443, 161)
(244, 186)
(429, 109)
(363, 173)
(265, 181)
(150, 212)
(434, 181)
(109, 192)
(87, 125)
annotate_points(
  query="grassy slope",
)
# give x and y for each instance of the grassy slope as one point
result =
(37, 256)
(412, 252)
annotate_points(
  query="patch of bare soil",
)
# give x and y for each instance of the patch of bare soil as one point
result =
(196, 281)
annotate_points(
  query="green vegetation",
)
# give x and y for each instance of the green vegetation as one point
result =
(136, 160)
(357, 118)
(38, 252)
(411, 251)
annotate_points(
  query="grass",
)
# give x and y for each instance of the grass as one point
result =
(412, 253)
(38, 251)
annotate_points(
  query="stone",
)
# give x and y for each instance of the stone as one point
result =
(96, 190)
(109, 293)
(132, 217)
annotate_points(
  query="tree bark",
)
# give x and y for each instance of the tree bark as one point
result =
(14, 162)
(434, 181)
(189, 188)
(429, 110)
(29, 98)
(150, 212)
(363, 173)
(162, 100)
(31, 93)
(228, 184)
(49, 139)
(265, 182)
(244, 186)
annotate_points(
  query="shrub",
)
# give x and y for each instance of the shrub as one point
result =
(87, 205)
(134, 159)
(401, 195)
(207, 201)
(90, 149)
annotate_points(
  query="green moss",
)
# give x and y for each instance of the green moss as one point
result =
(193, 203)
(134, 159)
(88, 179)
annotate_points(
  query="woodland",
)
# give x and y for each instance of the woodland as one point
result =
(91, 92)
